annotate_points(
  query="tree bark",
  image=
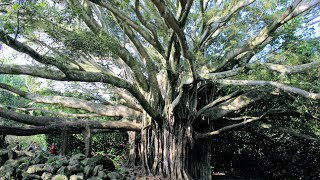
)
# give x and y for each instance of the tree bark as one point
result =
(64, 143)
(87, 141)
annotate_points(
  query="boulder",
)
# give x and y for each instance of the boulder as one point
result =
(46, 176)
(75, 168)
(77, 157)
(60, 177)
(99, 159)
(85, 161)
(97, 169)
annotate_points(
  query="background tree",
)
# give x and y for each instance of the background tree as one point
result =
(181, 69)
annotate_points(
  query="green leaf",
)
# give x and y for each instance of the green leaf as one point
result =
(15, 6)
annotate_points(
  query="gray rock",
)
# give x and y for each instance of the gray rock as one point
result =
(47, 167)
(97, 169)
(36, 169)
(74, 168)
(102, 175)
(94, 178)
(85, 161)
(27, 176)
(78, 157)
(6, 171)
(99, 159)
(76, 177)
(39, 159)
(62, 170)
(46, 176)
(60, 177)
(87, 170)
(114, 176)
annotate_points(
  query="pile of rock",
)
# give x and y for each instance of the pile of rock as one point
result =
(41, 165)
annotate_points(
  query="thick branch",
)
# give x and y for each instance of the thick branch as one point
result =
(33, 71)
(106, 110)
(73, 127)
(18, 46)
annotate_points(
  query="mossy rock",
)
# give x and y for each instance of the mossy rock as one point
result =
(60, 177)
(114, 176)
(6, 171)
(99, 159)
(46, 176)
(77, 177)
(36, 169)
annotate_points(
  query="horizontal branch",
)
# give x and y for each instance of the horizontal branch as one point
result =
(73, 127)
(32, 71)
(71, 102)
(281, 86)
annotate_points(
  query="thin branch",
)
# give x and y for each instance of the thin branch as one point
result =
(296, 8)
(287, 131)
(278, 85)
(283, 69)
(230, 127)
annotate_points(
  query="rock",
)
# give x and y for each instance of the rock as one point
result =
(39, 159)
(60, 177)
(49, 168)
(73, 162)
(95, 178)
(77, 157)
(6, 171)
(74, 168)
(36, 169)
(77, 177)
(97, 169)
(55, 162)
(22, 168)
(27, 176)
(85, 161)
(87, 170)
(12, 162)
(99, 159)
(114, 176)
(46, 176)
(63, 170)
(102, 175)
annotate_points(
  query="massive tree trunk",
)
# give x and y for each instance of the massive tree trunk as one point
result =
(170, 147)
